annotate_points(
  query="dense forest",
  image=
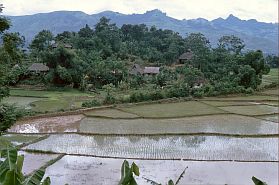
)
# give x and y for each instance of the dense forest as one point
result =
(102, 58)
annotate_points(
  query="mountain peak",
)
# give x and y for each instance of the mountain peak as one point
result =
(233, 18)
(155, 12)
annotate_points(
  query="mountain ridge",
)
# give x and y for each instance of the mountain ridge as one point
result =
(257, 35)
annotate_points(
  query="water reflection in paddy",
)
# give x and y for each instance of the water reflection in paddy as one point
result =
(77, 170)
(226, 124)
(164, 147)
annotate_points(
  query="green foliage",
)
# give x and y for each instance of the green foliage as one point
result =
(258, 181)
(231, 44)
(128, 172)
(92, 103)
(11, 170)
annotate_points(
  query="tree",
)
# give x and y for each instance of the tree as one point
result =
(256, 60)
(12, 42)
(200, 46)
(65, 67)
(231, 44)
(41, 43)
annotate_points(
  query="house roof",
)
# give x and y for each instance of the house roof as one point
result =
(187, 55)
(55, 45)
(151, 70)
(38, 67)
(136, 69)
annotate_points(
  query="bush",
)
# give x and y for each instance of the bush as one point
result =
(9, 114)
(92, 103)
(109, 99)
(178, 90)
(157, 95)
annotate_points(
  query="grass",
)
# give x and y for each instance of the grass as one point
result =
(24, 102)
(172, 110)
(18, 139)
(54, 100)
(4, 143)
(253, 110)
(272, 77)
(110, 113)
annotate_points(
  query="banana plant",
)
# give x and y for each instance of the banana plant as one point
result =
(258, 181)
(127, 173)
(11, 170)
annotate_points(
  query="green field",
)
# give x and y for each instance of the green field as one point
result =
(49, 101)
(110, 113)
(172, 110)
(272, 77)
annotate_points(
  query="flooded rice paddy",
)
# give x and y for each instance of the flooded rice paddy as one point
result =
(252, 110)
(34, 161)
(77, 170)
(163, 147)
(224, 141)
(225, 124)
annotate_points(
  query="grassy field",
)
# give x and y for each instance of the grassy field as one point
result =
(181, 109)
(272, 77)
(16, 139)
(110, 113)
(49, 101)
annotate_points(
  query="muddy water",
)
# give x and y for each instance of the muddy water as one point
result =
(48, 125)
(34, 161)
(88, 170)
(226, 124)
(176, 147)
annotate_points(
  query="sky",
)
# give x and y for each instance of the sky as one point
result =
(262, 10)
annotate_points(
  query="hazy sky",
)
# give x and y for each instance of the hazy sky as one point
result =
(262, 10)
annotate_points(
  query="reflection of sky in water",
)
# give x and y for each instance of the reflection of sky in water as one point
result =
(179, 147)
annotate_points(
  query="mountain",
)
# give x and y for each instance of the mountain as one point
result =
(257, 35)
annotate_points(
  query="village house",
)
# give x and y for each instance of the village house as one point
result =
(136, 70)
(38, 68)
(67, 46)
(186, 57)
(151, 70)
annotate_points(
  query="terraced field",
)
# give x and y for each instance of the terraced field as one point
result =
(221, 141)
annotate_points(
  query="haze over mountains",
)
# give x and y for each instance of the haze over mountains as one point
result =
(257, 35)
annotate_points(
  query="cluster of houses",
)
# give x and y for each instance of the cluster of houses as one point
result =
(135, 69)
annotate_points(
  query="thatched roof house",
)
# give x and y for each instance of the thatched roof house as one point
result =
(187, 56)
(68, 46)
(151, 70)
(38, 67)
(136, 70)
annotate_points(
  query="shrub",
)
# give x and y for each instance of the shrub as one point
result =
(92, 103)
(109, 99)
